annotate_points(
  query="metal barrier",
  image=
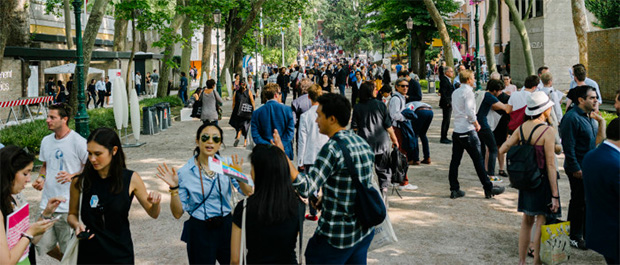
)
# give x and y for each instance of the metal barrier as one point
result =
(24, 102)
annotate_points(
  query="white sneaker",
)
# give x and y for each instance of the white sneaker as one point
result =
(409, 187)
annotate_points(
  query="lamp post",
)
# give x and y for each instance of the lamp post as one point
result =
(382, 44)
(410, 28)
(477, 52)
(81, 119)
(217, 18)
(256, 56)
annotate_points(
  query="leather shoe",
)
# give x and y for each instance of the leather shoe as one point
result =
(445, 141)
(426, 161)
(456, 194)
(496, 190)
(414, 163)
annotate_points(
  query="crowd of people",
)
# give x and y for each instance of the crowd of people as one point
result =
(300, 153)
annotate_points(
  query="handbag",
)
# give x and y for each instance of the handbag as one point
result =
(242, 250)
(369, 207)
(555, 243)
(197, 108)
(245, 108)
(384, 233)
(71, 253)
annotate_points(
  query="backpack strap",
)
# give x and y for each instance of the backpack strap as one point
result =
(529, 139)
(541, 134)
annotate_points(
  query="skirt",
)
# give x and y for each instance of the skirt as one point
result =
(536, 201)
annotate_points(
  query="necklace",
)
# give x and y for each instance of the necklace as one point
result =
(210, 174)
(64, 135)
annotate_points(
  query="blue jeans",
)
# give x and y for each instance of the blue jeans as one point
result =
(420, 127)
(138, 89)
(182, 93)
(341, 87)
(488, 141)
(284, 94)
(319, 251)
(467, 142)
(312, 210)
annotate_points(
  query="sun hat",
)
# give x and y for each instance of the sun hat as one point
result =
(537, 103)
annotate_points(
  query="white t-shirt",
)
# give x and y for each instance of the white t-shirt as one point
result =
(518, 99)
(67, 154)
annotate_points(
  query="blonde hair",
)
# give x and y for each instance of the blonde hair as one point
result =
(546, 78)
(314, 92)
(465, 75)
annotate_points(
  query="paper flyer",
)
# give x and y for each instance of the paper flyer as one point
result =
(221, 166)
(17, 223)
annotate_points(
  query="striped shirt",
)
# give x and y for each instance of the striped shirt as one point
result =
(338, 221)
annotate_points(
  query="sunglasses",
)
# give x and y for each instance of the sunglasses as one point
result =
(206, 137)
(403, 85)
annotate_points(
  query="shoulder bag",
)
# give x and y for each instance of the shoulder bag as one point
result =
(369, 207)
(522, 167)
(71, 253)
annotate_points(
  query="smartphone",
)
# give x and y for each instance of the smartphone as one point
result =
(55, 218)
(83, 235)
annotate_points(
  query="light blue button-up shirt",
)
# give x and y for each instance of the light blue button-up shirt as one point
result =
(218, 202)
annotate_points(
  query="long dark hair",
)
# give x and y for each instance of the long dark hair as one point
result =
(107, 138)
(274, 196)
(199, 131)
(12, 159)
(366, 91)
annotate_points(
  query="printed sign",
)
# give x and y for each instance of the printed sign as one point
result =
(17, 223)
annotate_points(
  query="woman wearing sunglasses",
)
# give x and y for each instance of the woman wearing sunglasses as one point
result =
(206, 196)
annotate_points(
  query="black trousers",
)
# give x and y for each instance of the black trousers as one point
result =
(205, 244)
(576, 207)
(383, 169)
(101, 96)
(467, 142)
(354, 95)
(445, 122)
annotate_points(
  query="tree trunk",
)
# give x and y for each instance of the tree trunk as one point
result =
(525, 39)
(67, 14)
(443, 31)
(120, 34)
(580, 21)
(186, 52)
(133, 53)
(6, 9)
(487, 28)
(206, 49)
(247, 24)
(238, 63)
(90, 33)
(164, 75)
(144, 46)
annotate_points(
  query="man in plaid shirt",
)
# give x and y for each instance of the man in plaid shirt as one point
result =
(339, 237)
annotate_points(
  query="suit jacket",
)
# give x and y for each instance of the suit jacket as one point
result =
(274, 115)
(601, 182)
(415, 91)
(445, 89)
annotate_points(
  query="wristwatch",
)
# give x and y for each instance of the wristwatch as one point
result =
(30, 238)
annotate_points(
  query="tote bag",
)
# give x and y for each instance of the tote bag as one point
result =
(555, 243)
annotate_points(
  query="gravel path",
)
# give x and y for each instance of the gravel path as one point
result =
(431, 227)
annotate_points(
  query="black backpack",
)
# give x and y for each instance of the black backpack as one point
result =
(369, 207)
(197, 107)
(399, 165)
(522, 167)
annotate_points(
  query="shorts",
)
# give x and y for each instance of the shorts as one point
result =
(59, 233)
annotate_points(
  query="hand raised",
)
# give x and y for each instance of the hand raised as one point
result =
(168, 175)
(236, 162)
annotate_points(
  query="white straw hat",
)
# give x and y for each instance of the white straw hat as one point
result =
(537, 103)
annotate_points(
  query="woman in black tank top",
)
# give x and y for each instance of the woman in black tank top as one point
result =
(107, 188)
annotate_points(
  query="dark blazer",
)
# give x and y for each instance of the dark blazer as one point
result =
(601, 182)
(415, 91)
(445, 89)
(387, 79)
(274, 115)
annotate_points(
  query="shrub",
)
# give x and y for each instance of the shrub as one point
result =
(173, 100)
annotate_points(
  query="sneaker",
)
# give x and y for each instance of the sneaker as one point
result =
(496, 190)
(578, 243)
(456, 194)
(409, 187)
(495, 179)
(236, 143)
(445, 141)
(311, 217)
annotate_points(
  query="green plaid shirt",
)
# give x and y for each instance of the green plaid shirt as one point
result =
(338, 221)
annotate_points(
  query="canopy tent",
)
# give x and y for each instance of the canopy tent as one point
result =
(70, 69)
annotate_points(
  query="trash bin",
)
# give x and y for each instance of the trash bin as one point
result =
(167, 114)
(150, 121)
(160, 115)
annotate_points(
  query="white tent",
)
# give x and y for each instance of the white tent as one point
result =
(70, 69)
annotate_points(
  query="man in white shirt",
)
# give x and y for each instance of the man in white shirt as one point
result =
(554, 95)
(541, 71)
(310, 141)
(465, 138)
(101, 92)
(580, 79)
(518, 99)
(138, 81)
(63, 154)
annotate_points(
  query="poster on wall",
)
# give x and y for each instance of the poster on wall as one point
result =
(114, 73)
(33, 82)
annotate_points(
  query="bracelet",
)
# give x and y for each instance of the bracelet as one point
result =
(47, 217)
(42, 176)
(175, 187)
(174, 192)
(30, 238)
(554, 197)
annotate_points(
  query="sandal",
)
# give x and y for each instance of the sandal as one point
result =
(530, 252)
(502, 173)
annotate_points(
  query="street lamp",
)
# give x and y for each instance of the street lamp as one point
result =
(256, 56)
(410, 28)
(81, 118)
(476, 54)
(382, 44)
(217, 18)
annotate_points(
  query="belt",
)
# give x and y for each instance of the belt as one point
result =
(423, 108)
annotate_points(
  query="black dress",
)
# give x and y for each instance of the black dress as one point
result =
(241, 123)
(106, 215)
(61, 94)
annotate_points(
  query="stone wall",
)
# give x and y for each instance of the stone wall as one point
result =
(10, 83)
(603, 60)
(518, 70)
